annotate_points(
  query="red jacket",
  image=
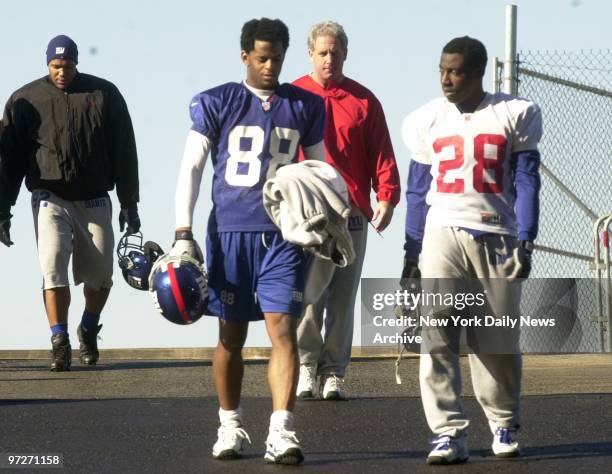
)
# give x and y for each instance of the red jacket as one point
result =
(357, 141)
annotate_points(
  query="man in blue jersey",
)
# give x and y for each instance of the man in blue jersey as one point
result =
(472, 216)
(250, 129)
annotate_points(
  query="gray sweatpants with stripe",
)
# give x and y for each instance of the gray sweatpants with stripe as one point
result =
(496, 374)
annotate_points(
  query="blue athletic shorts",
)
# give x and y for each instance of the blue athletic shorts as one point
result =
(251, 273)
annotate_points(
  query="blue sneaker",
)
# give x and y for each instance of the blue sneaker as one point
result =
(448, 450)
(505, 443)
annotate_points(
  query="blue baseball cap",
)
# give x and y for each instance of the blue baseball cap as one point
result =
(62, 47)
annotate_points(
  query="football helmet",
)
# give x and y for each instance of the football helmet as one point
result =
(136, 259)
(178, 285)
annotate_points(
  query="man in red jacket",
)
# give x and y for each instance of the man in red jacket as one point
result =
(357, 143)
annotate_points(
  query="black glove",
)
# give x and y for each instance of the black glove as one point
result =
(5, 226)
(410, 272)
(519, 265)
(411, 282)
(129, 216)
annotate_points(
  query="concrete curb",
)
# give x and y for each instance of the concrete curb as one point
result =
(188, 353)
(263, 353)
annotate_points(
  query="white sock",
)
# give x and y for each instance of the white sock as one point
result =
(230, 417)
(282, 419)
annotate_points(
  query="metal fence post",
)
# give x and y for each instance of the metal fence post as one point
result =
(510, 53)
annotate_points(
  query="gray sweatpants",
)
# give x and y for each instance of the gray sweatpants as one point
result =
(496, 377)
(332, 354)
(79, 229)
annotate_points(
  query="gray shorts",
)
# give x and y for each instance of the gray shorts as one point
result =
(81, 229)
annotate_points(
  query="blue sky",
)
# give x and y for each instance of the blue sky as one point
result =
(160, 54)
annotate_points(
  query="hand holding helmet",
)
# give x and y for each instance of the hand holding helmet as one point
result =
(184, 244)
(128, 216)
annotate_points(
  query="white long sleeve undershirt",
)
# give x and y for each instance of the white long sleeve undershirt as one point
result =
(190, 177)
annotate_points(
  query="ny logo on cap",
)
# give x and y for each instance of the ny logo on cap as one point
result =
(60, 50)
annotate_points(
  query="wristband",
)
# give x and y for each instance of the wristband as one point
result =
(183, 235)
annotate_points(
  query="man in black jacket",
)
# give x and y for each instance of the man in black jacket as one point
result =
(70, 135)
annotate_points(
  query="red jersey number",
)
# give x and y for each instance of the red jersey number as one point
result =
(456, 186)
(483, 163)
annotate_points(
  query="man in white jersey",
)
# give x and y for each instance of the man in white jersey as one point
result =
(472, 215)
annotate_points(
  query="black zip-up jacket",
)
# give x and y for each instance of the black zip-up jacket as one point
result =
(78, 143)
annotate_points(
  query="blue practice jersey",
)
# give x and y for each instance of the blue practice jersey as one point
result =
(250, 139)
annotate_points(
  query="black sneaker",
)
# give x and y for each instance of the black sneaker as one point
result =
(88, 348)
(61, 352)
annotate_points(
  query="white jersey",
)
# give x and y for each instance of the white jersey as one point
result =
(470, 158)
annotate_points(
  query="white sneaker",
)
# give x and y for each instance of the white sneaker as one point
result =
(307, 381)
(230, 440)
(332, 388)
(448, 450)
(505, 443)
(283, 447)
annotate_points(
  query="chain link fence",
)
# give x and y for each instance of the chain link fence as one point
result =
(574, 91)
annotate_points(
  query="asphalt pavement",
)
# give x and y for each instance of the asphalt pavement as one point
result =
(160, 416)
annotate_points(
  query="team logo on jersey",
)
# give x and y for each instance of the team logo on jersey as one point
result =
(265, 105)
(490, 218)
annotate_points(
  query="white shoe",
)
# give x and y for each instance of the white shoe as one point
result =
(332, 388)
(307, 381)
(448, 450)
(283, 447)
(505, 443)
(230, 440)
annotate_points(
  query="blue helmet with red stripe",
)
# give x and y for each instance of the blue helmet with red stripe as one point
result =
(178, 285)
